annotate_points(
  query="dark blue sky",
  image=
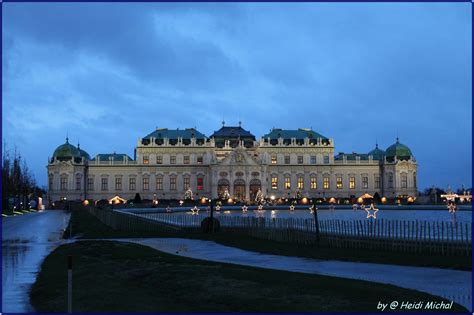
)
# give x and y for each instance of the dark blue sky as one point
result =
(108, 74)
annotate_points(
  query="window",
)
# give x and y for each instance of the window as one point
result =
(377, 182)
(146, 183)
(146, 160)
(118, 183)
(186, 183)
(133, 183)
(63, 182)
(414, 179)
(300, 182)
(51, 182)
(314, 182)
(90, 183)
(339, 182)
(186, 159)
(287, 182)
(326, 159)
(287, 159)
(199, 160)
(159, 183)
(173, 159)
(313, 159)
(300, 159)
(159, 159)
(200, 183)
(172, 183)
(274, 159)
(78, 182)
(390, 180)
(274, 182)
(104, 183)
(326, 182)
(365, 182)
(404, 180)
(352, 182)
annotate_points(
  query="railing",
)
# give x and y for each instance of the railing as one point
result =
(442, 238)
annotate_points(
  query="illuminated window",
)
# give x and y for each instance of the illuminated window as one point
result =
(159, 183)
(146, 183)
(339, 182)
(146, 160)
(300, 182)
(274, 182)
(313, 159)
(132, 183)
(200, 183)
(326, 182)
(104, 185)
(365, 182)
(377, 182)
(172, 183)
(352, 182)
(78, 182)
(326, 159)
(118, 183)
(159, 159)
(274, 159)
(63, 182)
(186, 159)
(300, 159)
(186, 183)
(314, 182)
(90, 183)
(173, 159)
(287, 159)
(287, 182)
(199, 160)
(404, 180)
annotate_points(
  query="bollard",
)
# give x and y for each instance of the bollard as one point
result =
(69, 284)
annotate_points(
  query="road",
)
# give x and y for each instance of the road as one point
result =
(26, 240)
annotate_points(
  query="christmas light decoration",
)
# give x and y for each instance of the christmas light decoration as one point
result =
(244, 208)
(369, 210)
(312, 209)
(168, 209)
(273, 214)
(354, 207)
(218, 208)
(194, 210)
(188, 194)
(292, 208)
(452, 207)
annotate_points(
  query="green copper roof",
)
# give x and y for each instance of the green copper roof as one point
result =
(399, 150)
(115, 157)
(299, 134)
(376, 153)
(66, 151)
(187, 133)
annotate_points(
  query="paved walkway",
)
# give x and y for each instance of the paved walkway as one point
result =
(451, 284)
(26, 240)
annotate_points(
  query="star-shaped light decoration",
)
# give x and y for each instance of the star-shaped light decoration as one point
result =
(218, 208)
(244, 208)
(168, 209)
(292, 208)
(194, 210)
(312, 209)
(452, 207)
(273, 214)
(354, 207)
(371, 211)
(260, 207)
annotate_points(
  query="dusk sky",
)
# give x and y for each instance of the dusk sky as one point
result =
(107, 74)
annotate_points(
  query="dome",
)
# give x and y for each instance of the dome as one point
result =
(66, 152)
(401, 151)
(83, 153)
(376, 153)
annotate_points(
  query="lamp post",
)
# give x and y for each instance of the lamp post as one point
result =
(316, 221)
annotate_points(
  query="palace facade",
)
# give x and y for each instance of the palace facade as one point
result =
(167, 162)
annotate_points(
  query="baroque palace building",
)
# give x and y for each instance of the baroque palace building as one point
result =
(168, 162)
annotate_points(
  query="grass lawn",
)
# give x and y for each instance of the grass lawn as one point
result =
(88, 226)
(120, 277)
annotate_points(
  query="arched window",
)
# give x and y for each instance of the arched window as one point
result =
(414, 179)
(63, 182)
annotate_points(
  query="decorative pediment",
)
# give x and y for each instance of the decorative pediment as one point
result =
(239, 157)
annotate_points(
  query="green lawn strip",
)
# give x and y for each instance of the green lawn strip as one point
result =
(88, 226)
(122, 277)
